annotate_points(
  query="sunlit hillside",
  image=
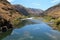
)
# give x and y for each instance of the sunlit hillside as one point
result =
(53, 11)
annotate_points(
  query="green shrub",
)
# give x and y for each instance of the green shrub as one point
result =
(57, 21)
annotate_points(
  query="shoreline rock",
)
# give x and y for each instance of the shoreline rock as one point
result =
(5, 25)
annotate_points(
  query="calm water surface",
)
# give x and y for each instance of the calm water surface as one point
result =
(31, 30)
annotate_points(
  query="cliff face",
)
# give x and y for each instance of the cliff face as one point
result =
(53, 11)
(8, 14)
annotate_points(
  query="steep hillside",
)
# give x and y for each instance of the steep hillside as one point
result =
(8, 11)
(52, 15)
(53, 11)
(21, 9)
(8, 14)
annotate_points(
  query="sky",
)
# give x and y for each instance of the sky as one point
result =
(38, 4)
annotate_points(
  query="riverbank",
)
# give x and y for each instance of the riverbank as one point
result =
(54, 23)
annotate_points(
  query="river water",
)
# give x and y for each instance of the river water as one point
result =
(31, 30)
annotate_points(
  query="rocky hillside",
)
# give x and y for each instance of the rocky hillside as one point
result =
(21, 9)
(36, 12)
(8, 14)
(53, 11)
(8, 11)
(28, 11)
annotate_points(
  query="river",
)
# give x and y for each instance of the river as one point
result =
(31, 29)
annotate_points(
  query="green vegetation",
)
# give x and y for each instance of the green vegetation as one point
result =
(17, 20)
(57, 22)
(5, 34)
(53, 22)
(47, 18)
(52, 16)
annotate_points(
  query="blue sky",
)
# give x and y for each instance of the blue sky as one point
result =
(38, 4)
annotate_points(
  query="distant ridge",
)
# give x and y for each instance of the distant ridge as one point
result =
(28, 11)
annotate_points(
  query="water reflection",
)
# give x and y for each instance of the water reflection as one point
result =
(25, 22)
(33, 30)
(5, 34)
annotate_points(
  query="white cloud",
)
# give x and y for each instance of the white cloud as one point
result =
(55, 1)
(51, 35)
(10, 0)
(35, 3)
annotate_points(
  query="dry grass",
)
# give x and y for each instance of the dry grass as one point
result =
(8, 12)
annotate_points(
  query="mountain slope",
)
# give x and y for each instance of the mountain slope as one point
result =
(21, 9)
(7, 9)
(52, 15)
(53, 11)
(8, 15)
(28, 11)
(36, 12)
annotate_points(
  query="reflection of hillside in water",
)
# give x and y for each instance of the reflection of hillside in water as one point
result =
(25, 22)
(5, 34)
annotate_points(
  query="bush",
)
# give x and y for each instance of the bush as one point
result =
(47, 18)
(57, 21)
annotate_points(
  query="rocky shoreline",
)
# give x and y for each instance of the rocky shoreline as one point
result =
(5, 25)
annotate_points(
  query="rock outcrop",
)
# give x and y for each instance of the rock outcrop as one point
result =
(5, 25)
